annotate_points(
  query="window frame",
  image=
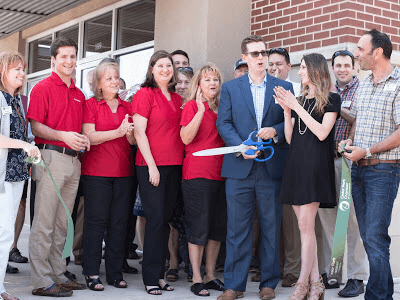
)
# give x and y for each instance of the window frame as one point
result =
(82, 61)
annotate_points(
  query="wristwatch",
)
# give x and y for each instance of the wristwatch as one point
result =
(368, 155)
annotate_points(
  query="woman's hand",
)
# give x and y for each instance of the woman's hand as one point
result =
(285, 99)
(154, 176)
(31, 150)
(200, 105)
(124, 127)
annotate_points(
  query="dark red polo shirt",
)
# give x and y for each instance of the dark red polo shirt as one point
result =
(163, 129)
(207, 137)
(57, 106)
(112, 158)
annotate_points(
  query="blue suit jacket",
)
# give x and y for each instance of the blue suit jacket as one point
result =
(237, 118)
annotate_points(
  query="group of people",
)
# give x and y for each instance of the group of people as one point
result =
(176, 113)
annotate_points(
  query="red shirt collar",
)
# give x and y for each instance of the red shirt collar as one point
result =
(102, 101)
(57, 80)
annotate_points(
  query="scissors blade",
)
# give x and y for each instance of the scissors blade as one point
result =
(220, 151)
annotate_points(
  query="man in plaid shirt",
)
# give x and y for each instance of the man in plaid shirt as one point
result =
(357, 264)
(376, 155)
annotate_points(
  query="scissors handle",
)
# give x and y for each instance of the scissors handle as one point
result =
(252, 141)
(253, 152)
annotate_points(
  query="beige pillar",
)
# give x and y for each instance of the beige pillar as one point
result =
(208, 30)
(13, 43)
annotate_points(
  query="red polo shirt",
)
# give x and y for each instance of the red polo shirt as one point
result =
(163, 129)
(112, 158)
(207, 137)
(57, 106)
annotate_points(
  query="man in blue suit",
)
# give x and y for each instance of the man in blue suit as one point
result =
(247, 105)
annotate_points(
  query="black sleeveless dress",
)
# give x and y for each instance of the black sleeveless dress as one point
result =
(309, 175)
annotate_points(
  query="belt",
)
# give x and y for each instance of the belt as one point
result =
(374, 161)
(58, 149)
(337, 154)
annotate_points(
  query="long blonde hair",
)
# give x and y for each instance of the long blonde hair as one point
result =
(318, 74)
(194, 84)
(9, 60)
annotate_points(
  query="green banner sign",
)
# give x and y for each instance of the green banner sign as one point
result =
(342, 221)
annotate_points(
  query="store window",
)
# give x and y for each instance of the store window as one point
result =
(70, 32)
(97, 35)
(39, 54)
(133, 66)
(135, 23)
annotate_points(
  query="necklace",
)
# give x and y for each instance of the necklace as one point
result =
(309, 112)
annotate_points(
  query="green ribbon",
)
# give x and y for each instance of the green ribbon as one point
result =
(70, 233)
(342, 221)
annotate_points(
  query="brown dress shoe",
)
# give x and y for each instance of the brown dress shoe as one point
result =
(257, 277)
(78, 259)
(56, 291)
(288, 280)
(267, 293)
(230, 295)
(72, 284)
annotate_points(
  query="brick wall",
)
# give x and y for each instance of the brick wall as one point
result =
(307, 24)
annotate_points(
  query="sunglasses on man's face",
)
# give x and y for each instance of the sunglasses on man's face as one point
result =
(257, 53)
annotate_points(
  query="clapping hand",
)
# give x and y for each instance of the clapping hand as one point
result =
(125, 127)
(285, 98)
(199, 101)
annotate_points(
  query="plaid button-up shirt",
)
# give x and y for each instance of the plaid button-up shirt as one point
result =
(377, 111)
(342, 127)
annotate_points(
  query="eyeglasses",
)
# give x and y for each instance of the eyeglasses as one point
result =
(189, 69)
(257, 53)
(343, 53)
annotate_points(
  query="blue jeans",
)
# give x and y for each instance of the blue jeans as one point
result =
(374, 191)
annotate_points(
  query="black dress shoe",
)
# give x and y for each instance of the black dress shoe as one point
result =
(327, 285)
(128, 269)
(353, 288)
(11, 269)
(69, 275)
(15, 256)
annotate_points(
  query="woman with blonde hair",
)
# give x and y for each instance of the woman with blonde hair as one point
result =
(14, 148)
(203, 187)
(308, 177)
(107, 171)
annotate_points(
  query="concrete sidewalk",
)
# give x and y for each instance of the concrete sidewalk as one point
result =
(20, 284)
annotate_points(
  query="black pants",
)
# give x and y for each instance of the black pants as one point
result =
(106, 209)
(158, 205)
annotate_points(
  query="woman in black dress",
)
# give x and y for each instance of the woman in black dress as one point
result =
(308, 177)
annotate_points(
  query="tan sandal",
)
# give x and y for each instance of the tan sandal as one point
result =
(300, 291)
(317, 290)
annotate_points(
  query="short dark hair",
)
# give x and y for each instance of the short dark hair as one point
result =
(149, 81)
(342, 53)
(251, 39)
(181, 52)
(280, 51)
(108, 60)
(62, 42)
(381, 40)
(123, 81)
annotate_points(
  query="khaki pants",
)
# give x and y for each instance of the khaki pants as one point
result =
(49, 228)
(357, 262)
(291, 243)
